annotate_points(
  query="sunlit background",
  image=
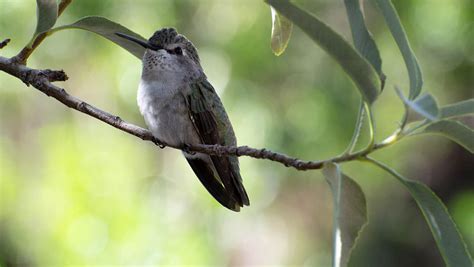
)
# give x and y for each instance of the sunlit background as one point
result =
(74, 190)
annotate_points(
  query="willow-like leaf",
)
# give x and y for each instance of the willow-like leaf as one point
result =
(444, 230)
(46, 16)
(107, 29)
(358, 68)
(350, 213)
(454, 130)
(362, 39)
(398, 33)
(458, 109)
(281, 32)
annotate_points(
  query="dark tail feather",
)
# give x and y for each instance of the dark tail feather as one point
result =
(206, 176)
(240, 187)
(231, 179)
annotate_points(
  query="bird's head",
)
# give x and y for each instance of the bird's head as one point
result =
(169, 53)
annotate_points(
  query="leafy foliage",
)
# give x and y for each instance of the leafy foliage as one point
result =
(364, 66)
(440, 222)
(360, 71)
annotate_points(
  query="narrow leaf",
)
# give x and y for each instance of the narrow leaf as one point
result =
(444, 230)
(46, 13)
(359, 69)
(107, 29)
(281, 32)
(458, 109)
(398, 33)
(350, 213)
(454, 130)
(363, 41)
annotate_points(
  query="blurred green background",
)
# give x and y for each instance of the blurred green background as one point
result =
(74, 190)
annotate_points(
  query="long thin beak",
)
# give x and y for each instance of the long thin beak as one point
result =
(136, 40)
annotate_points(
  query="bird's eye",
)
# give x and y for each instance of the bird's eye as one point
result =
(178, 51)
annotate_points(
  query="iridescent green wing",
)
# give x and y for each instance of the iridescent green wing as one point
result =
(213, 126)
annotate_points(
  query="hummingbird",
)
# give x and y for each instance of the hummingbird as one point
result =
(181, 108)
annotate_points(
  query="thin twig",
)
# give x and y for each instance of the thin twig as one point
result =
(4, 43)
(41, 80)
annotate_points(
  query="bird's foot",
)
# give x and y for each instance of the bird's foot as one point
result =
(187, 149)
(159, 143)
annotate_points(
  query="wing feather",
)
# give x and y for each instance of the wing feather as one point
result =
(213, 126)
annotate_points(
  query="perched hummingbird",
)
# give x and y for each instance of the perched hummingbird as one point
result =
(182, 108)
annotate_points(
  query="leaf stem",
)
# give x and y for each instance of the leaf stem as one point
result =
(383, 166)
(370, 120)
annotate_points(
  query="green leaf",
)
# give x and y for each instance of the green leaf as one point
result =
(363, 41)
(424, 105)
(444, 230)
(398, 33)
(350, 213)
(107, 29)
(281, 32)
(458, 109)
(359, 69)
(454, 130)
(46, 15)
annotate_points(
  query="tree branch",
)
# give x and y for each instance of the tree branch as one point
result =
(42, 80)
(4, 43)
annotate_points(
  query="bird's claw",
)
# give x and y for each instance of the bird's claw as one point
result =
(159, 143)
(187, 149)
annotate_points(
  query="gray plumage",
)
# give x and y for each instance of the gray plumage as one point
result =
(180, 107)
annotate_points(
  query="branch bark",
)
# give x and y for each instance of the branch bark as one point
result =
(4, 43)
(42, 80)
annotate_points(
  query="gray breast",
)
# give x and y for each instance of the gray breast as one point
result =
(166, 114)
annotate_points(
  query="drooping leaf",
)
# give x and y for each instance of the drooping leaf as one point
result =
(363, 41)
(358, 69)
(458, 109)
(107, 29)
(350, 213)
(454, 130)
(444, 230)
(398, 33)
(281, 32)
